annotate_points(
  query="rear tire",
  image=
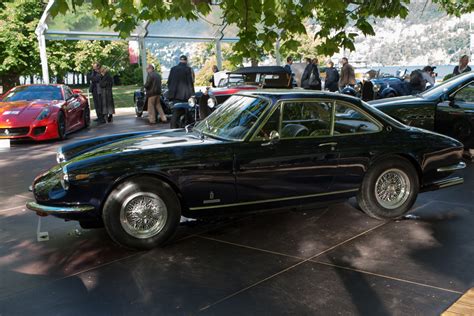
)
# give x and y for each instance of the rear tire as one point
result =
(142, 213)
(389, 189)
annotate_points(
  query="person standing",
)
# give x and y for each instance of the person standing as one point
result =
(180, 88)
(347, 77)
(310, 78)
(94, 88)
(212, 80)
(153, 93)
(289, 62)
(332, 77)
(463, 66)
(306, 73)
(429, 75)
(106, 83)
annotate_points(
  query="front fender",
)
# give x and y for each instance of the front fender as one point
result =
(389, 90)
(67, 152)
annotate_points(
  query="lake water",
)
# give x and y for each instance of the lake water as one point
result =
(441, 70)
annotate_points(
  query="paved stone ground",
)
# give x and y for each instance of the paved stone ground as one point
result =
(325, 261)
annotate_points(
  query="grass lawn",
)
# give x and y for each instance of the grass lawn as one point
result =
(123, 96)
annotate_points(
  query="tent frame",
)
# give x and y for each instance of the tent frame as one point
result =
(140, 35)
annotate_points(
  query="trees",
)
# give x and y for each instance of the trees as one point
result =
(18, 43)
(261, 22)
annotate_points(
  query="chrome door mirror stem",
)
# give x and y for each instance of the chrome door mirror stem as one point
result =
(274, 138)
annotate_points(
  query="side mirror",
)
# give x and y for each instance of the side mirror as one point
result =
(274, 138)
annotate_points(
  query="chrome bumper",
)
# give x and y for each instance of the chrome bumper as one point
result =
(45, 209)
(451, 168)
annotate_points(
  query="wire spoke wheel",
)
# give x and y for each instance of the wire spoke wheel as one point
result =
(143, 215)
(392, 188)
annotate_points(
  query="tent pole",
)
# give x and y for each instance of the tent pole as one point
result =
(141, 41)
(219, 54)
(40, 29)
(277, 52)
(44, 58)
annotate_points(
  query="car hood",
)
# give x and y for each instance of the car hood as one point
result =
(409, 99)
(21, 112)
(152, 140)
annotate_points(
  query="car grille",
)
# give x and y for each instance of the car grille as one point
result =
(15, 131)
(39, 130)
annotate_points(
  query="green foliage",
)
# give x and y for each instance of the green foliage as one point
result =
(205, 72)
(18, 43)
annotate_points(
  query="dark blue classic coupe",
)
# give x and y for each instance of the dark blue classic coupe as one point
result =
(259, 150)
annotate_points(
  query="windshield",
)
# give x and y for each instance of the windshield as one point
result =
(446, 86)
(29, 93)
(234, 118)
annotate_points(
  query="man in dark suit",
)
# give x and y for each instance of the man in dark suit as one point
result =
(332, 78)
(289, 62)
(180, 88)
(94, 88)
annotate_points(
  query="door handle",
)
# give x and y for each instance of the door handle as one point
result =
(332, 144)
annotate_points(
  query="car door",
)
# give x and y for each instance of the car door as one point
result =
(296, 167)
(455, 116)
(358, 137)
(73, 109)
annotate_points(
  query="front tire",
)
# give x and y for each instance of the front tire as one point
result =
(61, 126)
(142, 213)
(86, 116)
(389, 189)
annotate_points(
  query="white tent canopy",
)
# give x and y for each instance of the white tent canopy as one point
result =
(82, 25)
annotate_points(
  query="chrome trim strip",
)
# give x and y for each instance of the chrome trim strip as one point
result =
(459, 166)
(451, 182)
(273, 200)
(59, 209)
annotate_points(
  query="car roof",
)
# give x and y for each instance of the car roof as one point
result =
(298, 93)
(42, 85)
(259, 70)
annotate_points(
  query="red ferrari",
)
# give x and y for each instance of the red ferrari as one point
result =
(42, 112)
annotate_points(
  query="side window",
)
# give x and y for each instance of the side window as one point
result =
(350, 120)
(306, 119)
(466, 94)
(67, 93)
(272, 124)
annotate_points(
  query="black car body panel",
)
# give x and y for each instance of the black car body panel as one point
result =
(214, 176)
(440, 109)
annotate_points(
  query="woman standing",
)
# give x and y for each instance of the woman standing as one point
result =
(106, 83)
(310, 78)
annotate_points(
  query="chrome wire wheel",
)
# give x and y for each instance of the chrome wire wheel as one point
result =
(143, 215)
(392, 188)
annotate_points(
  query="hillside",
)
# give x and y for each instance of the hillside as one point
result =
(426, 36)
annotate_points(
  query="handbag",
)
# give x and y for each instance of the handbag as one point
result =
(314, 82)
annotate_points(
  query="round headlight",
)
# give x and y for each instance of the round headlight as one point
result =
(211, 103)
(376, 87)
(60, 157)
(357, 87)
(192, 102)
(65, 179)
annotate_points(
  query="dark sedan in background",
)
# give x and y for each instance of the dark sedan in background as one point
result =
(447, 108)
(258, 150)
